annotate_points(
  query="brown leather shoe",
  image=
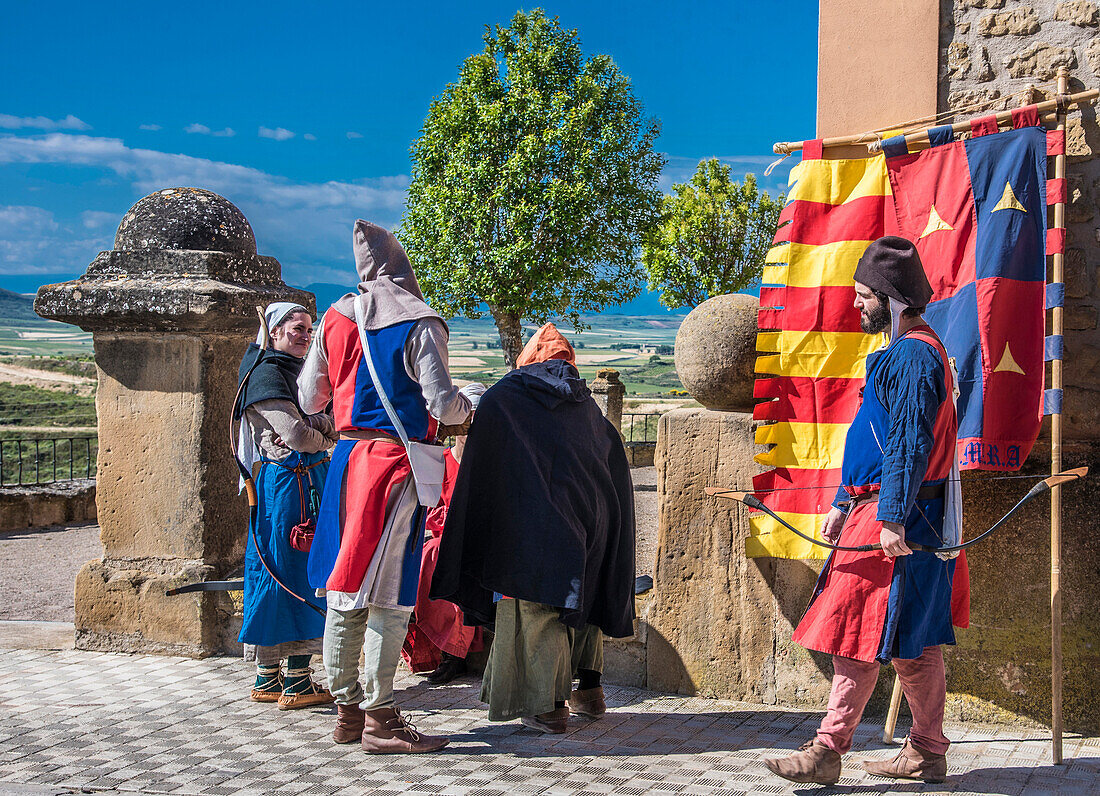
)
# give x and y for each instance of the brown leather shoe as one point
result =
(387, 732)
(259, 695)
(813, 762)
(911, 762)
(554, 722)
(317, 696)
(588, 702)
(349, 724)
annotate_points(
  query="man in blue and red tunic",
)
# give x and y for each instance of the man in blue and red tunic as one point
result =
(900, 484)
(368, 544)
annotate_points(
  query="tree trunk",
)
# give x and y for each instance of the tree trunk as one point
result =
(511, 334)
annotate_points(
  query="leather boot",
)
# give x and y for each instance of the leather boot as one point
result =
(554, 722)
(588, 702)
(387, 732)
(450, 667)
(812, 763)
(349, 724)
(911, 762)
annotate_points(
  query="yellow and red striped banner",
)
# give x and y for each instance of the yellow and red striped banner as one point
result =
(811, 349)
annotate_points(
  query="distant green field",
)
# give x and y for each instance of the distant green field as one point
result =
(475, 347)
(476, 355)
(41, 337)
(24, 405)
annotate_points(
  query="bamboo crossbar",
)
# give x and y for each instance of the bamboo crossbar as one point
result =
(1047, 111)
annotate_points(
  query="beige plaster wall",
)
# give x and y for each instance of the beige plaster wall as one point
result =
(873, 58)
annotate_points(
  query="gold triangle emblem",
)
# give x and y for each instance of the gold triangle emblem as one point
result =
(1009, 201)
(1007, 363)
(935, 224)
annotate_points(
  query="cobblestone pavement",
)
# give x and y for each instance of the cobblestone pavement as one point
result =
(38, 567)
(99, 721)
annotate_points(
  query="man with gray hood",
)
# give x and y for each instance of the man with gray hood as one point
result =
(380, 358)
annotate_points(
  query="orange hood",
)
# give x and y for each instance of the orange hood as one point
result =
(548, 343)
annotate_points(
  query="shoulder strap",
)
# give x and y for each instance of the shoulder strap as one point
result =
(927, 335)
(382, 396)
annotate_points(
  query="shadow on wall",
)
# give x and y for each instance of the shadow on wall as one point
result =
(1001, 668)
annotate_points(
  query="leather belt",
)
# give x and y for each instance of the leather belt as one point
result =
(369, 435)
(927, 492)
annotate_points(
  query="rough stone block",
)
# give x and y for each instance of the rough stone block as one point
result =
(966, 98)
(1040, 61)
(1078, 12)
(958, 59)
(1078, 144)
(718, 617)
(121, 607)
(1018, 22)
(1092, 55)
(178, 497)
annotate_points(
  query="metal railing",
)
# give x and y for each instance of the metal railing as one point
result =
(29, 461)
(640, 427)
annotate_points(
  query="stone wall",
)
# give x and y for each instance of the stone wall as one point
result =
(60, 503)
(995, 49)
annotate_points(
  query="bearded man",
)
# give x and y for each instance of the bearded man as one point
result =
(900, 483)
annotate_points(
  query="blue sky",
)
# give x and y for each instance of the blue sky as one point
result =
(302, 114)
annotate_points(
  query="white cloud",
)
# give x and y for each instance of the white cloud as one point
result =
(70, 122)
(150, 127)
(202, 129)
(278, 134)
(33, 242)
(306, 225)
(94, 219)
(309, 137)
(353, 135)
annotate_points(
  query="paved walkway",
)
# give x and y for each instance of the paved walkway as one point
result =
(75, 721)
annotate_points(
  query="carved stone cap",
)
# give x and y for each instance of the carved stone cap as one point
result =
(184, 259)
(185, 219)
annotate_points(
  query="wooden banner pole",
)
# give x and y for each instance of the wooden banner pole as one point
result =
(1056, 323)
(874, 143)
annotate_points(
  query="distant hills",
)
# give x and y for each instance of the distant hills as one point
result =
(648, 303)
(16, 307)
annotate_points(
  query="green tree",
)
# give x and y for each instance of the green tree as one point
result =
(712, 237)
(533, 183)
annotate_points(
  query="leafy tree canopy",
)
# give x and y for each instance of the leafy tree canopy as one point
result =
(533, 182)
(712, 237)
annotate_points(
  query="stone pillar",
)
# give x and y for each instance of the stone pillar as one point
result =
(720, 623)
(171, 309)
(608, 392)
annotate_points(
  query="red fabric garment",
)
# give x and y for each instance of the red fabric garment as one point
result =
(850, 622)
(547, 343)
(436, 625)
(374, 468)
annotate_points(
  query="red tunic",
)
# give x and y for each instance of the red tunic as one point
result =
(436, 625)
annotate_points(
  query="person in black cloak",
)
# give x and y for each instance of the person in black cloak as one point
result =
(539, 539)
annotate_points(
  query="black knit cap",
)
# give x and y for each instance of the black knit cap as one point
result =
(892, 266)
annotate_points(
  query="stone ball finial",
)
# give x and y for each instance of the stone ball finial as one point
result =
(716, 352)
(189, 219)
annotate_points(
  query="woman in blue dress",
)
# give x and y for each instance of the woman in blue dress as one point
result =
(291, 449)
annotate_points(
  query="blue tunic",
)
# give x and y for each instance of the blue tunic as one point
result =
(893, 444)
(271, 616)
